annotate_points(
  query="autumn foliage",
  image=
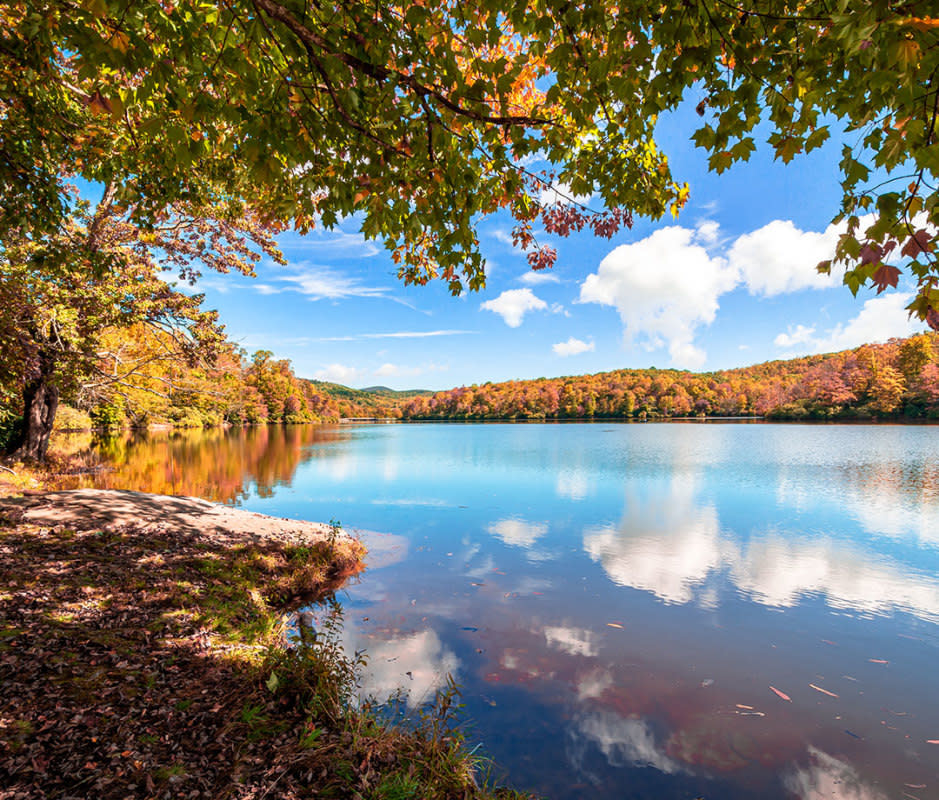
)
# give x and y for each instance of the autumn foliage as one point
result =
(899, 378)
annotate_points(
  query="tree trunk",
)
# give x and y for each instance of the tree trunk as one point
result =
(40, 402)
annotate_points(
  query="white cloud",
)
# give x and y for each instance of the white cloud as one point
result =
(881, 318)
(625, 741)
(828, 778)
(336, 244)
(318, 283)
(338, 373)
(518, 532)
(416, 665)
(512, 305)
(389, 370)
(573, 347)
(532, 278)
(560, 194)
(392, 335)
(797, 334)
(571, 640)
(664, 287)
(780, 258)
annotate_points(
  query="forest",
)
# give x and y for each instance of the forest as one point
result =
(895, 380)
(898, 379)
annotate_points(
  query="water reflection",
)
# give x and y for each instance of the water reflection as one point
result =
(667, 541)
(619, 600)
(828, 778)
(223, 465)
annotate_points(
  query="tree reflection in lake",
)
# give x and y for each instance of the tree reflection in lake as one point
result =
(223, 465)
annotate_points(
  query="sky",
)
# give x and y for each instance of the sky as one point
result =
(730, 283)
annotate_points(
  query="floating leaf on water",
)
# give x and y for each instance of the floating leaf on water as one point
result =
(477, 583)
(783, 695)
(853, 735)
(829, 641)
(748, 708)
(878, 661)
(470, 628)
(915, 785)
(823, 691)
(932, 741)
(615, 625)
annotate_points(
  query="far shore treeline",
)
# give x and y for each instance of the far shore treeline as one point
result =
(895, 380)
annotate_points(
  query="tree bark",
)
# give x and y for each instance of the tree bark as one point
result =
(40, 402)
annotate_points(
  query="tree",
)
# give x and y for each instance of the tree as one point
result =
(62, 297)
(422, 118)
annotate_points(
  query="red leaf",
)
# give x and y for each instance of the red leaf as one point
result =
(783, 695)
(917, 243)
(885, 276)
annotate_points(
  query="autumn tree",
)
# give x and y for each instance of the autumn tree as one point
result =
(422, 118)
(62, 296)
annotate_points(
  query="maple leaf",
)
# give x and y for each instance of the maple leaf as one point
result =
(884, 277)
(918, 243)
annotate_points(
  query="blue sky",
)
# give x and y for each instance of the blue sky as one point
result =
(730, 283)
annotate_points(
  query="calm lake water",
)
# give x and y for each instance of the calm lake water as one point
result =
(632, 611)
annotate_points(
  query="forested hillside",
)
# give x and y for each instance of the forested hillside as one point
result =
(899, 378)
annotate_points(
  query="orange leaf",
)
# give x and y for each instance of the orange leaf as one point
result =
(783, 695)
(615, 625)
(359, 197)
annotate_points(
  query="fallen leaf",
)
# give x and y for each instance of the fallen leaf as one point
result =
(878, 661)
(615, 625)
(783, 695)
(470, 628)
(932, 741)
(741, 705)
(823, 691)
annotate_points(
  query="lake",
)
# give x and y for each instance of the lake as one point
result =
(630, 610)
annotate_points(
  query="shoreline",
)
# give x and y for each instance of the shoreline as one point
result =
(145, 651)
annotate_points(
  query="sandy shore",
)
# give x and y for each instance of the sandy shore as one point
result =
(84, 509)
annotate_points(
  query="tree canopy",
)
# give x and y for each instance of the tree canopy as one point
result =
(420, 119)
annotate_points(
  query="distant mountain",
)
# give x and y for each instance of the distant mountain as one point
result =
(384, 391)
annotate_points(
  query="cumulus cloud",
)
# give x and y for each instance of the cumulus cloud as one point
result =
(664, 287)
(572, 347)
(389, 370)
(518, 532)
(795, 334)
(513, 304)
(624, 741)
(338, 373)
(416, 666)
(571, 640)
(779, 257)
(829, 778)
(881, 318)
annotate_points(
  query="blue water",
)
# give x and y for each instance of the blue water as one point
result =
(618, 602)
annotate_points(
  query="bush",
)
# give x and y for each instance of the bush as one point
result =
(108, 416)
(71, 419)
